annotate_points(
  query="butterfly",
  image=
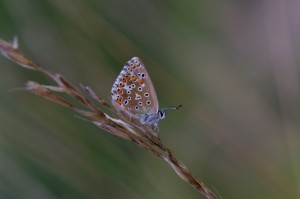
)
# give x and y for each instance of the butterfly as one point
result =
(134, 96)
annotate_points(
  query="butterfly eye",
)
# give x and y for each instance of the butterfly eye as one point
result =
(161, 114)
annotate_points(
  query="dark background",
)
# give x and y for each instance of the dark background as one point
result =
(233, 64)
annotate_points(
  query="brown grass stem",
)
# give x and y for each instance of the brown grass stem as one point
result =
(145, 138)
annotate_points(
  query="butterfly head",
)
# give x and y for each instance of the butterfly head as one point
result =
(152, 119)
(162, 113)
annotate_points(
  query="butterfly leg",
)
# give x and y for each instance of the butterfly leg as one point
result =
(155, 127)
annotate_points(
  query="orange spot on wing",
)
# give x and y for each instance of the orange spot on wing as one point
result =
(121, 85)
(127, 77)
(119, 91)
(119, 100)
(141, 81)
(134, 78)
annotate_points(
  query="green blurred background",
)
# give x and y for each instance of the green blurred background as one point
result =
(234, 65)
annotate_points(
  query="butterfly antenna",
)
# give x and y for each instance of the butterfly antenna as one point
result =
(171, 107)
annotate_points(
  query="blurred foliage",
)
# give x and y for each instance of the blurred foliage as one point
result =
(232, 64)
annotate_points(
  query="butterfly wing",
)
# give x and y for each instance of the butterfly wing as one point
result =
(133, 94)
